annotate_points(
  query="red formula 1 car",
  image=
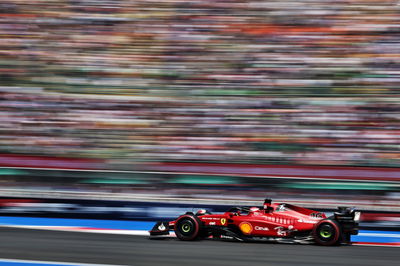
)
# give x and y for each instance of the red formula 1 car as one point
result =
(272, 222)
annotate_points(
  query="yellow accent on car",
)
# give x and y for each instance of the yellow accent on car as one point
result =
(246, 228)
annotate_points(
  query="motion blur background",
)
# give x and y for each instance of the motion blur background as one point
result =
(202, 99)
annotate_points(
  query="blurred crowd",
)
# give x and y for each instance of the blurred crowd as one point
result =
(277, 81)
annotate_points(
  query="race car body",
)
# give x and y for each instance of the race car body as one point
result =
(273, 221)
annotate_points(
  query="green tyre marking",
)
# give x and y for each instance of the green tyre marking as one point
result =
(185, 228)
(325, 233)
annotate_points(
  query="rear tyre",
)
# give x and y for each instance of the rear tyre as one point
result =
(188, 227)
(327, 233)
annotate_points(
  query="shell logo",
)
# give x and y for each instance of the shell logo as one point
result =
(246, 228)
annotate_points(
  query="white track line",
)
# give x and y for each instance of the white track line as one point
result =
(86, 230)
(379, 235)
(61, 263)
(82, 229)
(376, 245)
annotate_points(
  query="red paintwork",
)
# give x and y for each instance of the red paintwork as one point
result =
(274, 223)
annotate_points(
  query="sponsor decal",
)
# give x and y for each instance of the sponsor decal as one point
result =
(260, 228)
(246, 228)
(280, 231)
(308, 221)
(210, 218)
(223, 221)
(357, 216)
(212, 223)
(161, 227)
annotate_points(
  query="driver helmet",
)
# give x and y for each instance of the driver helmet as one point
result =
(255, 210)
(201, 212)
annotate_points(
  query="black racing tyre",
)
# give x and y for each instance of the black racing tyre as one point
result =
(188, 227)
(327, 232)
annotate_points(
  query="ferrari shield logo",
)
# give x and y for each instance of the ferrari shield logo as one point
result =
(223, 221)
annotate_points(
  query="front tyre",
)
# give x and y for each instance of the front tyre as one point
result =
(327, 233)
(188, 227)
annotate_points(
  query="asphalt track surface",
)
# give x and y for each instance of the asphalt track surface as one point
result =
(77, 247)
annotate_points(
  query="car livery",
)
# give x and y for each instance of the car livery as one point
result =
(272, 222)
